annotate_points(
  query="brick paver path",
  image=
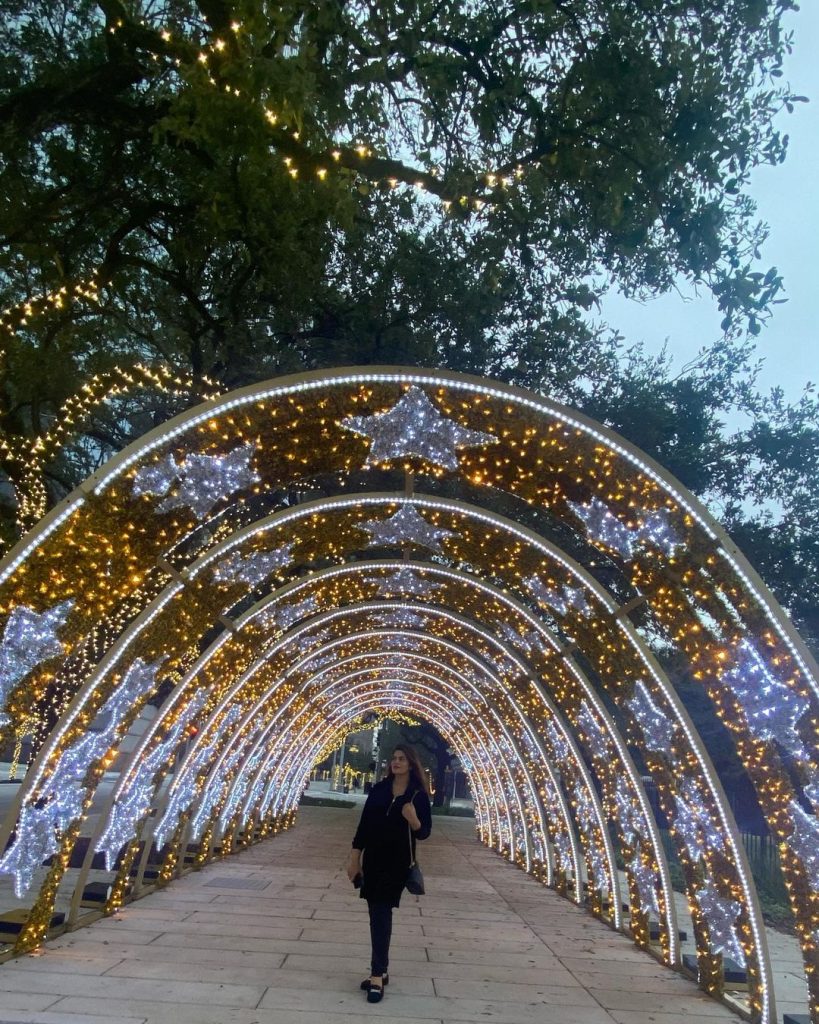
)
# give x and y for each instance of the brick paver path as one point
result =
(276, 935)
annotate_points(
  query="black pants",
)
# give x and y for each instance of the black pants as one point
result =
(380, 934)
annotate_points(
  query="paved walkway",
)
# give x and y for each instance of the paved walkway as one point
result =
(276, 935)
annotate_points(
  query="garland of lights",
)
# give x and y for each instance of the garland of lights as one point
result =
(698, 593)
(27, 457)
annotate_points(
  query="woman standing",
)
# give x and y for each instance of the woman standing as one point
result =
(396, 813)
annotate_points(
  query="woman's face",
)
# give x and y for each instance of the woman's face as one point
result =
(399, 765)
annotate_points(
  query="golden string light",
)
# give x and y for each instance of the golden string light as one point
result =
(185, 568)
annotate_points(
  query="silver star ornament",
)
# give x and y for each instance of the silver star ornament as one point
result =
(414, 426)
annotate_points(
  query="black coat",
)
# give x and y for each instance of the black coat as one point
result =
(383, 834)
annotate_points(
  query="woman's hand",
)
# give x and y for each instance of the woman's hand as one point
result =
(409, 813)
(354, 864)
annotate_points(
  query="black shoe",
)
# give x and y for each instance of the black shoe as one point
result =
(365, 984)
(375, 993)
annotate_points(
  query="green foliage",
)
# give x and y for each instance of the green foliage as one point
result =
(156, 143)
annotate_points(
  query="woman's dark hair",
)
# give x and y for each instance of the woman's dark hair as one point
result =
(417, 774)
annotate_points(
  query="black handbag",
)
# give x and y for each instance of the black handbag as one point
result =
(415, 877)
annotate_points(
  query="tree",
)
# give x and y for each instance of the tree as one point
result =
(236, 191)
(221, 166)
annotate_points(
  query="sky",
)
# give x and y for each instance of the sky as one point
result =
(787, 198)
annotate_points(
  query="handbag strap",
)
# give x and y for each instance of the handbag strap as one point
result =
(409, 834)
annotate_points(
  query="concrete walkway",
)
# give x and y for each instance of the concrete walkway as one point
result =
(276, 935)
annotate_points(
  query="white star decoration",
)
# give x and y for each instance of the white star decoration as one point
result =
(529, 643)
(404, 581)
(156, 478)
(185, 793)
(604, 527)
(64, 791)
(254, 568)
(135, 801)
(645, 881)
(203, 480)
(594, 733)
(401, 618)
(29, 638)
(721, 914)
(563, 849)
(561, 599)
(630, 819)
(771, 708)
(804, 841)
(558, 743)
(35, 841)
(656, 529)
(414, 426)
(693, 822)
(283, 618)
(407, 526)
(658, 730)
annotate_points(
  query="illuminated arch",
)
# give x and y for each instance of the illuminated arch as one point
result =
(195, 496)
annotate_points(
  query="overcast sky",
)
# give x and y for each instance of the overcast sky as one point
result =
(788, 201)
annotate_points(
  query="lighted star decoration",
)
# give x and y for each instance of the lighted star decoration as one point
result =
(210, 798)
(310, 641)
(560, 599)
(401, 618)
(404, 581)
(29, 638)
(585, 812)
(804, 841)
(156, 478)
(594, 733)
(65, 786)
(135, 801)
(415, 427)
(315, 665)
(283, 618)
(721, 915)
(530, 747)
(812, 793)
(645, 882)
(772, 709)
(529, 643)
(62, 795)
(407, 526)
(656, 530)
(693, 822)
(629, 817)
(563, 848)
(408, 642)
(557, 742)
(596, 860)
(603, 527)
(202, 480)
(186, 791)
(658, 730)
(239, 789)
(35, 841)
(254, 568)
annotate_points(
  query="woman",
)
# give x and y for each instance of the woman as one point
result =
(395, 815)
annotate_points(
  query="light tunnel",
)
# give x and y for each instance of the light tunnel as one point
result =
(253, 578)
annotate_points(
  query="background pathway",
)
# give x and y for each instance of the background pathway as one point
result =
(276, 935)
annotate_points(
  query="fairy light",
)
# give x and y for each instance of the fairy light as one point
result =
(254, 568)
(126, 812)
(415, 427)
(711, 593)
(29, 638)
